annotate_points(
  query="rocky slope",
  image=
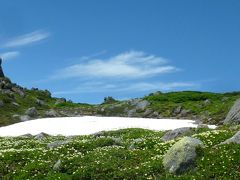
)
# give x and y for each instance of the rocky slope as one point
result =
(21, 104)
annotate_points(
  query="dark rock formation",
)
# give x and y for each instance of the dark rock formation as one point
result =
(1, 71)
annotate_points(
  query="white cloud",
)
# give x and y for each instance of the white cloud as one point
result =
(9, 55)
(27, 39)
(130, 87)
(128, 65)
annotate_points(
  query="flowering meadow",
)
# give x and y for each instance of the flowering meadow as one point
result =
(121, 154)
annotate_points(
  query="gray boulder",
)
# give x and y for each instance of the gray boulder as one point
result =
(177, 110)
(234, 114)
(57, 143)
(182, 155)
(131, 113)
(40, 102)
(41, 136)
(207, 102)
(24, 118)
(51, 113)
(19, 91)
(32, 112)
(1, 103)
(176, 133)
(235, 139)
(139, 103)
(147, 113)
(184, 112)
(142, 104)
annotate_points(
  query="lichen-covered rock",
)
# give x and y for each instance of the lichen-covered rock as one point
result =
(234, 114)
(176, 133)
(182, 155)
(235, 139)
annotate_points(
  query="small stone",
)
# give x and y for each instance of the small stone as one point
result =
(1, 103)
(57, 165)
(51, 113)
(24, 118)
(15, 104)
(57, 143)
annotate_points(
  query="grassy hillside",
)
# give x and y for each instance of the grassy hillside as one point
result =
(203, 106)
(122, 154)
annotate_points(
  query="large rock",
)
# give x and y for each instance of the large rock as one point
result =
(182, 155)
(235, 139)
(176, 133)
(139, 103)
(32, 112)
(234, 114)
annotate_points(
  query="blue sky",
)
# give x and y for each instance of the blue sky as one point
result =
(86, 50)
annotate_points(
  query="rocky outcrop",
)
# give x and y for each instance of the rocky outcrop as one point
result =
(1, 70)
(51, 113)
(41, 136)
(182, 155)
(176, 133)
(32, 112)
(234, 114)
(235, 139)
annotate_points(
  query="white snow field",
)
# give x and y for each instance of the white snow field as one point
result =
(86, 125)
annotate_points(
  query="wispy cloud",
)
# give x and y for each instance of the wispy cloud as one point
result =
(128, 65)
(9, 55)
(27, 39)
(125, 87)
